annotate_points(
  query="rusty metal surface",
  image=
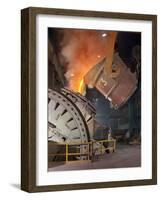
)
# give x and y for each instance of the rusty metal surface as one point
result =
(117, 86)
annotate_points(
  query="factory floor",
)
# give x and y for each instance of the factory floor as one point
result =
(125, 156)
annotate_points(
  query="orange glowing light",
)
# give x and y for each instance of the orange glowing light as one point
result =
(81, 88)
(83, 49)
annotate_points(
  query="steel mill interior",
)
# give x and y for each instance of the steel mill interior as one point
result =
(94, 99)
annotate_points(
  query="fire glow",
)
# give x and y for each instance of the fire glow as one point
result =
(81, 86)
(81, 50)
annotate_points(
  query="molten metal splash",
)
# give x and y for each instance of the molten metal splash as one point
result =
(81, 87)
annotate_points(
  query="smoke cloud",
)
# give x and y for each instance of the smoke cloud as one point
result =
(80, 50)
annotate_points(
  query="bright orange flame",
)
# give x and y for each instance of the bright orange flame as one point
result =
(81, 89)
(76, 82)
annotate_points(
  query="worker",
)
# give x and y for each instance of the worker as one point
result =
(110, 134)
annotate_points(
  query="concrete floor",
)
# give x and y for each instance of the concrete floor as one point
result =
(125, 156)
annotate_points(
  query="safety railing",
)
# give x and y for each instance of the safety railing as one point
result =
(88, 152)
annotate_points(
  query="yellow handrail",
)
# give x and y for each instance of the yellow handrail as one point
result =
(90, 149)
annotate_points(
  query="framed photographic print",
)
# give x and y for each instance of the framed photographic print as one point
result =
(89, 99)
